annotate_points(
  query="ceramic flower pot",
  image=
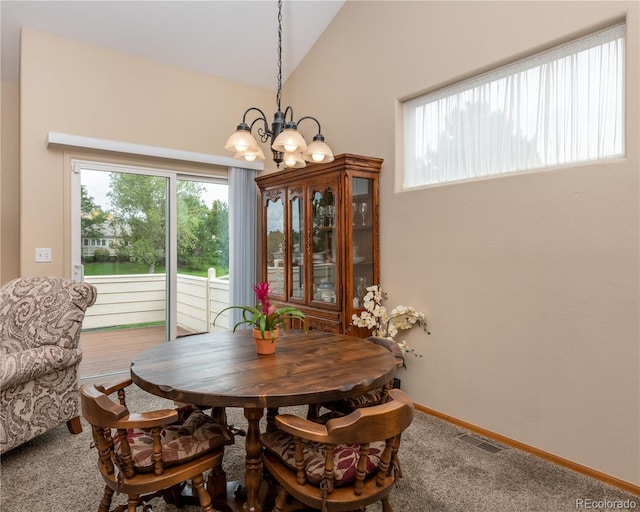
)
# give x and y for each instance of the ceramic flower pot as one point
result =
(267, 345)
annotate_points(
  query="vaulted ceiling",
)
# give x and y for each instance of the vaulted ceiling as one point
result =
(236, 40)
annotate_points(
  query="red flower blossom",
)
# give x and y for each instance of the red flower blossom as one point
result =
(262, 293)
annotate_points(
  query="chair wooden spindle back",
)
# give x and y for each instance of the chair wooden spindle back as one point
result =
(375, 431)
(125, 459)
(143, 477)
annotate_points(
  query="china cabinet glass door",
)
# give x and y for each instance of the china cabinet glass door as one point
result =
(324, 278)
(296, 277)
(275, 257)
(362, 221)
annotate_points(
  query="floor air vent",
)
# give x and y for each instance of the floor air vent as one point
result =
(479, 443)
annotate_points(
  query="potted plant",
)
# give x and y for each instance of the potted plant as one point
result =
(264, 317)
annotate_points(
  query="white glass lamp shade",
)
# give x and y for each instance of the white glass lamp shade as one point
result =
(318, 152)
(250, 155)
(293, 160)
(241, 141)
(288, 141)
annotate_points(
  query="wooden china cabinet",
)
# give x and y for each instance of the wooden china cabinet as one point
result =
(320, 240)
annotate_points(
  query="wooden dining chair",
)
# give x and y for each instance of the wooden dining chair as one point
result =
(150, 454)
(343, 465)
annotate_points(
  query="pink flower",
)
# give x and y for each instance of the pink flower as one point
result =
(262, 293)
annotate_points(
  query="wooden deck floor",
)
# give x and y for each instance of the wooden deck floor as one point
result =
(107, 353)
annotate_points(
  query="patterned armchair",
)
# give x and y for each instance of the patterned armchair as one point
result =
(40, 322)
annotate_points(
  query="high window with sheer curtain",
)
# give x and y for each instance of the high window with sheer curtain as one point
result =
(558, 107)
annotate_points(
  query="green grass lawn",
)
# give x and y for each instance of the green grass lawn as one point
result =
(116, 268)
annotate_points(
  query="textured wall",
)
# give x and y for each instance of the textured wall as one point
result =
(530, 281)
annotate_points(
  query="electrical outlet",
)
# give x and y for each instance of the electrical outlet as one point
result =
(43, 254)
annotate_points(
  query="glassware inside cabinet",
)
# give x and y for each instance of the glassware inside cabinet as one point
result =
(275, 245)
(324, 246)
(362, 238)
(297, 249)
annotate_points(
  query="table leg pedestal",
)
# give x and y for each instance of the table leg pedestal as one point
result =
(253, 471)
(253, 493)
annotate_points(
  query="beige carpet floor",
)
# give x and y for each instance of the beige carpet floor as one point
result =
(444, 471)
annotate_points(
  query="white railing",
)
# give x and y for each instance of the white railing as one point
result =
(141, 298)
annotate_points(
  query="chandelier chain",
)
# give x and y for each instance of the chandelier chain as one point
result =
(279, 95)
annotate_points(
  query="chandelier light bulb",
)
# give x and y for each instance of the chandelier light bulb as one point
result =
(290, 161)
(293, 160)
(242, 141)
(289, 140)
(318, 151)
(250, 155)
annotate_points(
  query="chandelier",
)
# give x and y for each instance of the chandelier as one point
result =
(287, 144)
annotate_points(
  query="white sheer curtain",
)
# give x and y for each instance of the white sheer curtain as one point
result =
(560, 106)
(242, 239)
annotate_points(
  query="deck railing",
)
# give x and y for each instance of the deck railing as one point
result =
(135, 299)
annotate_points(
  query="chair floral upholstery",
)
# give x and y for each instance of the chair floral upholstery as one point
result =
(40, 323)
(346, 457)
(193, 434)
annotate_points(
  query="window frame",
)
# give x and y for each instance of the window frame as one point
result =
(594, 39)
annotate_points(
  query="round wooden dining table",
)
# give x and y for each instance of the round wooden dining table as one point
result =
(222, 369)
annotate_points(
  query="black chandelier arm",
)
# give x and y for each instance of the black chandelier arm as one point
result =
(288, 110)
(314, 119)
(263, 131)
(262, 116)
(244, 116)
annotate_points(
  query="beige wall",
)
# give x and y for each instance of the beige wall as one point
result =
(83, 90)
(9, 183)
(530, 282)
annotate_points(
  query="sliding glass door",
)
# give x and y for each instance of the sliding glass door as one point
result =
(155, 244)
(202, 252)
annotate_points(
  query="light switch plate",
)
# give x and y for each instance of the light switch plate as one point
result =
(43, 254)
